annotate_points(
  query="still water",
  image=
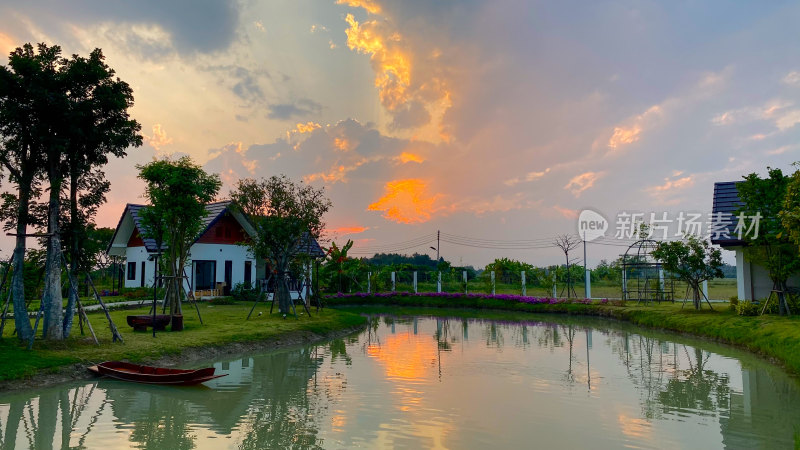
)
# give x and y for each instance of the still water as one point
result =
(433, 382)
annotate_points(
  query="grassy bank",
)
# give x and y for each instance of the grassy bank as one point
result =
(775, 337)
(224, 324)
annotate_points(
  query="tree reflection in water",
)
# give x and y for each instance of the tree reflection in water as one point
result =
(284, 399)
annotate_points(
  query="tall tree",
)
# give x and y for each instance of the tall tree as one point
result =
(25, 87)
(287, 216)
(177, 191)
(101, 126)
(772, 247)
(692, 260)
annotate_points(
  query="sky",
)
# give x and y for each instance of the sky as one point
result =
(490, 120)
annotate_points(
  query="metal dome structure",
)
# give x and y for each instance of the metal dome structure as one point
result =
(642, 275)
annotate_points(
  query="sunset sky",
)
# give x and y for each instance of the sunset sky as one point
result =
(496, 120)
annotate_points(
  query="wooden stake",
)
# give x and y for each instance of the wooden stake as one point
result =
(114, 333)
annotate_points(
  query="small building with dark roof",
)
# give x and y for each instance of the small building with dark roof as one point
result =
(752, 280)
(219, 253)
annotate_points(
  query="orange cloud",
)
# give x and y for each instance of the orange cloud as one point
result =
(342, 144)
(566, 212)
(392, 65)
(406, 201)
(159, 137)
(348, 230)
(339, 173)
(624, 136)
(369, 5)
(582, 182)
(407, 157)
(307, 127)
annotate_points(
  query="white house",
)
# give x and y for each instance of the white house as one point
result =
(217, 255)
(752, 280)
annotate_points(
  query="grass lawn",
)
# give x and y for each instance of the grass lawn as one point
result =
(223, 324)
(772, 336)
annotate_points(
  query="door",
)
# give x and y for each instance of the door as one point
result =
(142, 282)
(248, 273)
(228, 278)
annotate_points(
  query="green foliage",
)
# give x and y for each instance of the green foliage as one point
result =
(507, 270)
(178, 191)
(286, 216)
(243, 292)
(773, 247)
(692, 260)
(747, 309)
(339, 272)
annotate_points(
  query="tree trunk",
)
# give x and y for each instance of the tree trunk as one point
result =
(696, 290)
(69, 315)
(175, 308)
(783, 306)
(52, 300)
(282, 289)
(21, 320)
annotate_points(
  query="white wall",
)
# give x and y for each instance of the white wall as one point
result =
(137, 255)
(752, 280)
(221, 253)
(214, 252)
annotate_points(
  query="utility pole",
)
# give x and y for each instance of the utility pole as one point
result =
(437, 246)
(585, 272)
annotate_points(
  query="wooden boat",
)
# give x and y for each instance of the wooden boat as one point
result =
(141, 322)
(154, 375)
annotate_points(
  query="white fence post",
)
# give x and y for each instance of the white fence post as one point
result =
(524, 288)
(705, 288)
(554, 285)
(415, 281)
(369, 282)
(493, 284)
(464, 276)
(439, 283)
(394, 284)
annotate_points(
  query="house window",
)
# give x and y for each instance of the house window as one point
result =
(205, 275)
(131, 270)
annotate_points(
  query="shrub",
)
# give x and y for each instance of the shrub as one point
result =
(747, 308)
(734, 302)
(242, 292)
(137, 292)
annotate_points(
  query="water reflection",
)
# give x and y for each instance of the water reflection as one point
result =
(436, 382)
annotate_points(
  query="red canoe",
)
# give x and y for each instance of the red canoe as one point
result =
(154, 375)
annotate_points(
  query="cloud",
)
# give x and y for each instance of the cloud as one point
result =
(777, 111)
(344, 231)
(302, 107)
(579, 183)
(369, 5)
(307, 127)
(407, 157)
(628, 134)
(624, 136)
(792, 78)
(566, 212)
(670, 192)
(530, 176)
(159, 138)
(406, 201)
(411, 81)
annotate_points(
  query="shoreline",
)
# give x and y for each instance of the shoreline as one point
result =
(774, 338)
(78, 371)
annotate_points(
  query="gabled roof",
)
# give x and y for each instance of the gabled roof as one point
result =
(726, 201)
(215, 211)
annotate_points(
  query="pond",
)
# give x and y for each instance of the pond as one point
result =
(438, 382)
